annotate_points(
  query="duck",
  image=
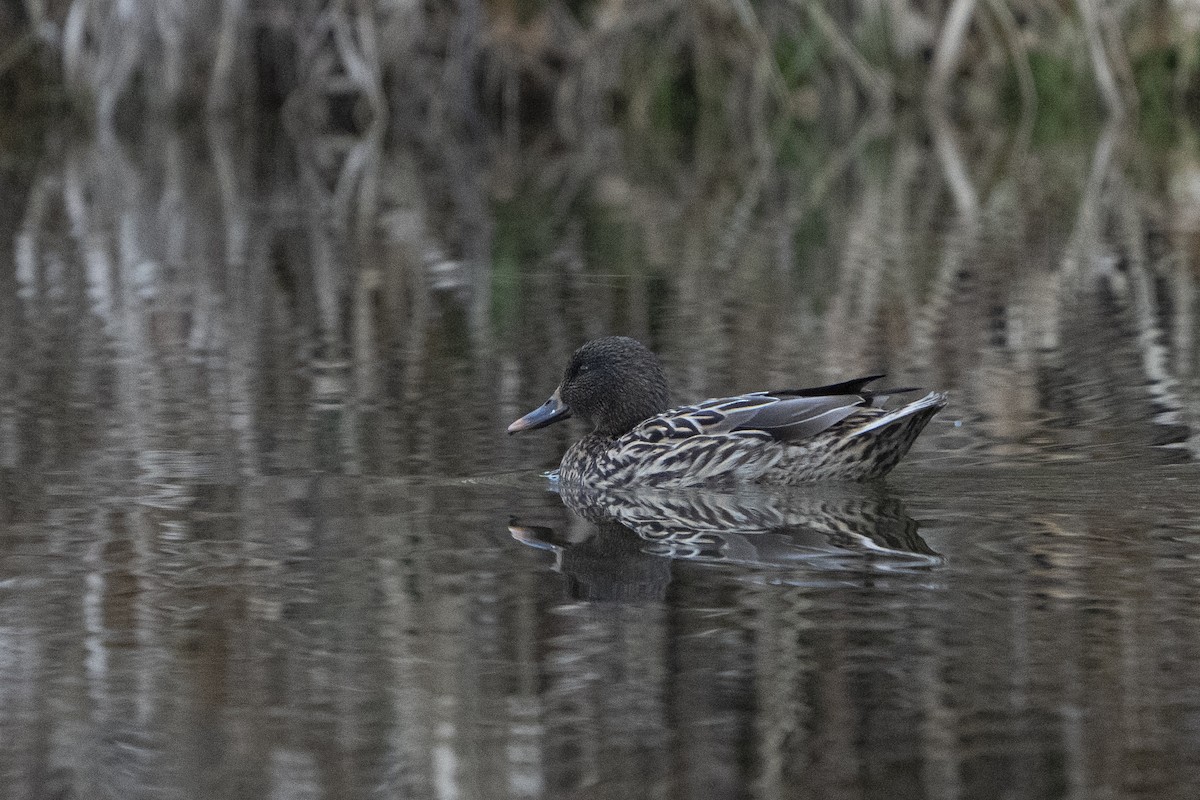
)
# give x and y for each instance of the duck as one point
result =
(617, 387)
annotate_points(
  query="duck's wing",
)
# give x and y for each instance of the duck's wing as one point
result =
(785, 418)
(872, 397)
(730, 438)
(855, 386)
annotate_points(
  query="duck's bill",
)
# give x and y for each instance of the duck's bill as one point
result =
(547, 413)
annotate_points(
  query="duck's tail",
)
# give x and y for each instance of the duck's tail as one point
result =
(885, 440)
(923, 409)
(859, 448)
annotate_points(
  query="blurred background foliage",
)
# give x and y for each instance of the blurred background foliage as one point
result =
(691, 71)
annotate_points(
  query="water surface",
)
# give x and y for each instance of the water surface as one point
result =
(262, 534)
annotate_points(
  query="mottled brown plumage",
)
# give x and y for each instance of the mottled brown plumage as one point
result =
(836, 432)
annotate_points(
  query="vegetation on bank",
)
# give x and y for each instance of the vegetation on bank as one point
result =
(680, 67)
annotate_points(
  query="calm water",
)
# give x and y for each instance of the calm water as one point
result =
(262, 534)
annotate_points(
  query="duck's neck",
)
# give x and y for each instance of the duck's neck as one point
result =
(626, 411)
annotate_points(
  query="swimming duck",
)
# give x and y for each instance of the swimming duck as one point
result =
(617, 386)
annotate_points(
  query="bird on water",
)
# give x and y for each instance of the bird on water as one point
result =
(824, 433)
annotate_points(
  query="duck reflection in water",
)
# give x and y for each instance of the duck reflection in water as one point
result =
(635, 536)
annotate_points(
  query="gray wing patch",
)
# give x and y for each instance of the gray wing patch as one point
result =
(802, 417)
(787, 419)
(722, 415)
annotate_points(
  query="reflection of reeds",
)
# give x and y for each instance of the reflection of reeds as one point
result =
(183, 344)
(391, 258)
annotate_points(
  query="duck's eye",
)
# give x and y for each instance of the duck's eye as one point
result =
(583, 368)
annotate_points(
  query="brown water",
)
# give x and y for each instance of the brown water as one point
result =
(262, 534)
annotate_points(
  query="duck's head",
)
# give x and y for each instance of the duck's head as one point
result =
(612, 384)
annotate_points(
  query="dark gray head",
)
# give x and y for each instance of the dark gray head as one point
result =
(612, 383)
